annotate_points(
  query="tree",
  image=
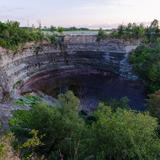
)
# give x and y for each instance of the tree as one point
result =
(12, 35)
(154, 104)
(59, 132)
(146, 62)
(130, 31)
(124, 134)
(154, 24)
(59, 128)
(52, 29)
(120, 30)
(101, 35)
(153, 31)
(60, 30)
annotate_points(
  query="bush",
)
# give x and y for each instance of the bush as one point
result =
(135, 31)
(12, 35)
(146, 62)
(131, 31)
(124, 134)
(154, 104)
(101, 35)
(56, 126)
(59, 132)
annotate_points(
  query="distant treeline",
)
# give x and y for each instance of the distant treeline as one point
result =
(52, 28)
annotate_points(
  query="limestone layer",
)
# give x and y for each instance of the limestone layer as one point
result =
(75, 53)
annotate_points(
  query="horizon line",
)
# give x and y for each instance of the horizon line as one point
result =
(95, 26)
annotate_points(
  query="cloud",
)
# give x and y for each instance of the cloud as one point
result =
(80, 12)
(7, 10)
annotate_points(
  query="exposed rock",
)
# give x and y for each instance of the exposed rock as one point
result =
(82, 52)
(49, 100)
(1, 93)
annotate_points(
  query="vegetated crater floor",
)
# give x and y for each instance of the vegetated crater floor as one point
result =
(90, 87)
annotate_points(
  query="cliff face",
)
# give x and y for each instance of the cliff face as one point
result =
(76, 53)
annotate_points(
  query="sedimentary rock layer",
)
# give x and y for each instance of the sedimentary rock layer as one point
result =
(75, 53)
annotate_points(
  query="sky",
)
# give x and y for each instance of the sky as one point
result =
(79, 13)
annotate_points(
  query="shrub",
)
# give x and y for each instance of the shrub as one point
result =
(124, 134)
(146, 62)
(101, 35)
(59, 132)
(154, 104)
(12, 35)
(56, 126)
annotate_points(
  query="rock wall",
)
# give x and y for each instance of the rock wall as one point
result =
(77, 52)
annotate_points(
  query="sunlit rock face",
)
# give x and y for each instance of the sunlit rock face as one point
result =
(77, 54)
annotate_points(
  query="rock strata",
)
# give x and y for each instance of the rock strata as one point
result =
(78, 52)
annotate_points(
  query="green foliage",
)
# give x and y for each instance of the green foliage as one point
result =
(28, 100)
(57, 126)
(2, 149)
(154, 104)
(31, 144)
(60, 29)
(52, 29)
(34, 141)
(146, 62)
(135, 31)
(59, 132)
(130, 31)
(12, 35)
(153, 31)
(101, 35)
(52, 38)
(124, 135)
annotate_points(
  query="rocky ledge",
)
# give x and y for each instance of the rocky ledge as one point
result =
(74, 52)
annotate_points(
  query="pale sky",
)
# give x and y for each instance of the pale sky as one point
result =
(86, 13)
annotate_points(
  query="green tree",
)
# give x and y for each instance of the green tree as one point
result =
(130, 31)
(12, 36)
(154, 104)
(120, 30)
(59, 132)
(146, 62)
(153, 31)
(101, 35)
(52, 29)
(123, 134)
(59, 127)
(60, 30)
